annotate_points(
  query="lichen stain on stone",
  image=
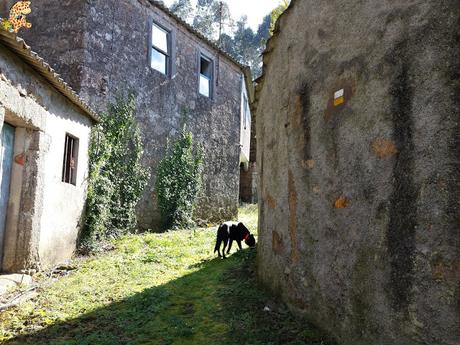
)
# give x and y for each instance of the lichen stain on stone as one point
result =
(299, 118)
(293, 218)
(271, 202)
(444, 271)
(403, 211)
(341, 202)
(297, 114)
(277, 243)
(384, 148)
(308, 164)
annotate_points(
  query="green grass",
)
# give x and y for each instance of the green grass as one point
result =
(157, 289)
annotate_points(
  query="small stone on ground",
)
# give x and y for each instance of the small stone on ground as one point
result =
(10, 281)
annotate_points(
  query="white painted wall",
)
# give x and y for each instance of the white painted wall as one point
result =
(245, 125)
(63, 202)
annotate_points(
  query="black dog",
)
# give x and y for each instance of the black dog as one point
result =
(233, 231)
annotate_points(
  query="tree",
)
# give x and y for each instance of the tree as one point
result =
(263, 32)
(183, 9)
(212, 18)
(276, 13)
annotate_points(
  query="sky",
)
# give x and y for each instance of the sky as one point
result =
(255, 10)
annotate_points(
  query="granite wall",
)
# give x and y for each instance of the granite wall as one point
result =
(358, 157)
(102, 48)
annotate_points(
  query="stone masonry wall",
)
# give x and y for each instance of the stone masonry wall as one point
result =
(359, 208)
(115, 59)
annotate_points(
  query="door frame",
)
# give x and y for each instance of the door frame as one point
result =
(3, 220)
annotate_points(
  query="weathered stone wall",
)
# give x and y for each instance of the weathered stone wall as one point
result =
(248, 183)
(115, 58)
(44, 214)
(359, 209)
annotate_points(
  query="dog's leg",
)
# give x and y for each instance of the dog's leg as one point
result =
(229, 246)
(225, 246)
(217, 247)
(239, 244)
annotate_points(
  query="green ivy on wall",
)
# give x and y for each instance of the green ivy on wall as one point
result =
(116, 177)
(179, 181)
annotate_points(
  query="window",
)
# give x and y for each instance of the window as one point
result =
(206, 76)
(160, 54)
(69, 170)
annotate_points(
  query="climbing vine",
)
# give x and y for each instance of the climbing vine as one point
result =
(276, 13)
(116, 177)
(179, 180)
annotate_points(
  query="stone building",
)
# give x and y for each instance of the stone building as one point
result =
(358, 159)
(248, 169)
(107, 47)
(45, 129)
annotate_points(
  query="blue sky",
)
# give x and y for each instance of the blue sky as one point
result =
(255, 10)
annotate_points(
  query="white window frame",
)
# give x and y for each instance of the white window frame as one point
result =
(210, 80)
(167, 54)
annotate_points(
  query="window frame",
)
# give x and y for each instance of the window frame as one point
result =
(69, 173)
(205, 56)
(170, 54)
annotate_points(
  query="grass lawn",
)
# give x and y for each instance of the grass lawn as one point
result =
(157, 289)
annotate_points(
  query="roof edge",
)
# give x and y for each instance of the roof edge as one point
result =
(19, 46)
(195, 32)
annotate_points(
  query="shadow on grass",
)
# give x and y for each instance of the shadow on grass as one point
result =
(218, 304)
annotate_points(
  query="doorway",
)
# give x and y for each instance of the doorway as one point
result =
(6, 162)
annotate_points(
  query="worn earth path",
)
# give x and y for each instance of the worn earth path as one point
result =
(158, 289)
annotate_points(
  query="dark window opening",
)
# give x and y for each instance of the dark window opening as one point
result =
(206, 76)
(160, 54)
(69, 170)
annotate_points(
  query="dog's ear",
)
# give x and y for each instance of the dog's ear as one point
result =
(242, 227)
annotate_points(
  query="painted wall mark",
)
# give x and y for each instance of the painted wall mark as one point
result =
(339, 98)
(340, 95)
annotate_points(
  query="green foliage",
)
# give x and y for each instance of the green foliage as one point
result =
(276, 13)
(179, 181)
(182, 8)
(246, 45)
(116, 178)
(5, 24)
(158, 289)
(212, 17)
